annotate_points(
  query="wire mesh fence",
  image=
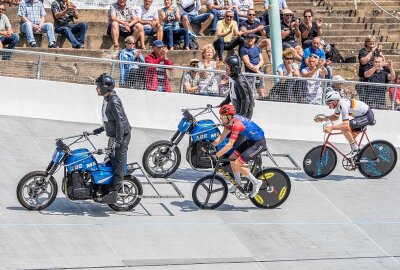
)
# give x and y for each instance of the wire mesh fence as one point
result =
(166, 77)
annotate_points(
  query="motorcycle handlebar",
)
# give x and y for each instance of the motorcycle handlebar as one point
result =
(208, 106)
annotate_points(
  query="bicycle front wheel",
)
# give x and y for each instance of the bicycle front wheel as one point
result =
(210, 192)
(275, 188)
(318, 163)
(377, 161)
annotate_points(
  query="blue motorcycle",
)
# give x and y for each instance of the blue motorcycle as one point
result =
(84, 178)
(162, 158)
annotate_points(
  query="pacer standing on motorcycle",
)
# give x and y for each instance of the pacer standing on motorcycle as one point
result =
(248, 150)
(117, 128)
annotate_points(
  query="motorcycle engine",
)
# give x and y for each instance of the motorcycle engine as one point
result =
(76, 187)
(197, 156)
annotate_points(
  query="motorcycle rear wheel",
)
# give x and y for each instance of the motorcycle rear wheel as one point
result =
(132, 191)
(31, 188)
(158, 155)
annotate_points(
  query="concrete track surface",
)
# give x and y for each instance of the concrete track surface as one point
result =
(342, 222)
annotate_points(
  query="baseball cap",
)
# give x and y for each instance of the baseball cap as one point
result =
(158, 43)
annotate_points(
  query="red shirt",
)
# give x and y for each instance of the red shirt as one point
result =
(391, 92)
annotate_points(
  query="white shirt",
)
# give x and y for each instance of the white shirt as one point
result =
(289, 73)
(186, 3)
(314, 87)
(351, 107)
(220, 3)
(243, 5)
(148, 15)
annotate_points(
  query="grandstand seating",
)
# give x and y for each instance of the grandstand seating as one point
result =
(344, 26)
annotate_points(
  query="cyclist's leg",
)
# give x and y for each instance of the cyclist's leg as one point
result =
(250, 153)
(235, 169)
(357, 124)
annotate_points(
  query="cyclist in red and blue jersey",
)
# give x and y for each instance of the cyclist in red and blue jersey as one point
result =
(236, 125)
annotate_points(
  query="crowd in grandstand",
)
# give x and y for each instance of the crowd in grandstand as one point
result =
(234, 25)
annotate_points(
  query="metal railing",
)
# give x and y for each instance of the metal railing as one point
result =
(188, 80)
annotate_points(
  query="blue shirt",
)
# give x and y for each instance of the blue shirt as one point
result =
(32, 11)
(308, 52)
(128, 55)
(253, 53)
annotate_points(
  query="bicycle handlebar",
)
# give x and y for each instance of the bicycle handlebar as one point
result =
(208, 106)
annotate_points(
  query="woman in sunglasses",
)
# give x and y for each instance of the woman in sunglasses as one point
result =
(309, 29)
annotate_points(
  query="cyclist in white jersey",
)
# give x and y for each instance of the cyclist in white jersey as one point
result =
(361, 113)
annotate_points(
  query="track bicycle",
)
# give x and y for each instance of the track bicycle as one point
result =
(211, 191)
(375, 160)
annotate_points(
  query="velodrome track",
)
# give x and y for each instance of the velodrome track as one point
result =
(342, 222)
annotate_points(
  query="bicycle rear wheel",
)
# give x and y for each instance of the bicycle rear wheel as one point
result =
(210, 192)
(318, 164)
(377, 161)
(275, 188)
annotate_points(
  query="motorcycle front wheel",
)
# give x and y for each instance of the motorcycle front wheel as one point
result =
(35, 192)
(129, 194)
(160, 161)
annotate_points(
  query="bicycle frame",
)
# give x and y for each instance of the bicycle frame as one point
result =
(327, 142)
(226, 175)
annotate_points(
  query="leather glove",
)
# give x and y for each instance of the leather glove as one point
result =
(116, 146)
(85, 133)
(214, 158)
(98, 130)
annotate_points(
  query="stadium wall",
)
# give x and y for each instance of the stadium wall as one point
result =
(148, 109)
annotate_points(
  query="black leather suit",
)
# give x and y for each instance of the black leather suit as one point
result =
(241, 96)
(118, 130)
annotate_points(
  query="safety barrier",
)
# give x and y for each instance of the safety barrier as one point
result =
(190, 80)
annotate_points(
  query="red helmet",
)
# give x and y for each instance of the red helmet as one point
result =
(227, 110)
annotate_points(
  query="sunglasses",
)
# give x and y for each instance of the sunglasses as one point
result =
(251, 14)
(289, 59)
(1, 8)
(193, 65)
(307, 16)
(288, 15)
(230, 17)
(130, 43)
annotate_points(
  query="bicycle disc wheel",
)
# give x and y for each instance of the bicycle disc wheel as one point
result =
(378, 161)
(210, 192)
(317, 164)
(275, 188)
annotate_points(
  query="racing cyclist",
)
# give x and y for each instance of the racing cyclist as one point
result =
(253, 146)
(361, 113)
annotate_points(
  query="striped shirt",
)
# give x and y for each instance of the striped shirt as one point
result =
(32, 11)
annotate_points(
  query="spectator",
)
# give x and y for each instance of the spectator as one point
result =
(226, 29)
(172, 32)
(252, 58)
(32, 15)
(190, 14)
(288, 68)
(131, 75)
(309, 29)
(218, 9)
(124, 21)
(315, 69)
(191, 79)
(265, 17)
(337, 85)
(208, 80)
(314, 49)
(251, 25)
(64, 15)
(287, 89)
(157, 77)
(7, 35)
(394, 93)
(290, 30)
(367, 55)
(150, 21)
(381, 72)
(242, 7)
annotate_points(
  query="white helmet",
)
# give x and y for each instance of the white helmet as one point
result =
(332, 96)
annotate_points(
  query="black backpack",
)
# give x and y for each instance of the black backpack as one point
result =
(334, 55)
(193, 44)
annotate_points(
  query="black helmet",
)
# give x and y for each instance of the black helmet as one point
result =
(235, 64)
(105, 82)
